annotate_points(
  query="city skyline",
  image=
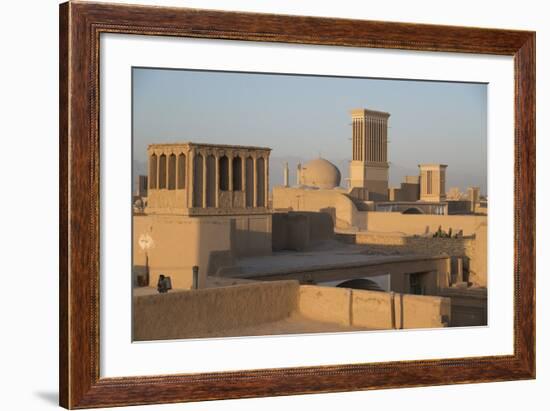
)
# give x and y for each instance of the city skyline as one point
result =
(310, 251)
(304, 117)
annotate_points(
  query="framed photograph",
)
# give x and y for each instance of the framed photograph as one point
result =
(258, 205)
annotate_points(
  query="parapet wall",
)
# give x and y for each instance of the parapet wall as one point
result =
(373, 309)
(474, 248)
(427, 245)
(378, 221)
(215, 312)
(207, 312)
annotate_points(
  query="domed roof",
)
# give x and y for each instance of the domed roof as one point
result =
(320, 173)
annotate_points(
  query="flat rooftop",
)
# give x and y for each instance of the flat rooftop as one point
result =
(295, 324)
(206, 145)
(349, 256)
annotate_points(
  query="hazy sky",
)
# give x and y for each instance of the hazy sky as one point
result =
(303, 117)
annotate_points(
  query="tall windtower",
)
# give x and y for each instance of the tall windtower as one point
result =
(369, 166)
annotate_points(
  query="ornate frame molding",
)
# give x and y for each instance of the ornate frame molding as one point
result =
(80, 27)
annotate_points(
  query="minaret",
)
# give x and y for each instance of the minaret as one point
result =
(299, 174)
(285, 175)
(369, 166)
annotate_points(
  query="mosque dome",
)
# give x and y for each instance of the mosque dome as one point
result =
(320, 173)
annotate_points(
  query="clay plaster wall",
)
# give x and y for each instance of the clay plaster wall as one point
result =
(219, 311)
(474, 248)
(345, 214)
(175, 201)
(333, 202)
(300, 230)
(200, 313)
(373, 309)
(468, 306)
(406, 192)
(421, 223)
(172, 245)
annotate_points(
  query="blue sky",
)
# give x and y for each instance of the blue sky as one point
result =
(304, 117)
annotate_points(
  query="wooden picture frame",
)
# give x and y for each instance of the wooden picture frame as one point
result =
(80, 27)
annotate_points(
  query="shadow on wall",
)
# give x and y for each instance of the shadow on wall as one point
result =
(331, 211)
(412, 210)
(298, 231)
(345, 214)
(335, 203)
(250, 236)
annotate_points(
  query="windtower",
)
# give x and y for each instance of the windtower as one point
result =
(369, 166)
(432, 182)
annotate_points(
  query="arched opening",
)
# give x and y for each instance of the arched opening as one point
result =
(181, 171)
(412, 210)
(153, 171)
(260, 182)
(172, 172)
(361, 284)
(162, 171)
(237, 174)
(249, 175)
(198, 180)
(210, 181)
(224, 173)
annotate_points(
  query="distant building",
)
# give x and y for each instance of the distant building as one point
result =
(318, 182)
(208, 206)
(320, 173)
(202, 199)
(473, 197)
(432, 182)
(208, 203)
(369, 168)
(142, 186)
(454, 194)
(409, 190)
(207, 179)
